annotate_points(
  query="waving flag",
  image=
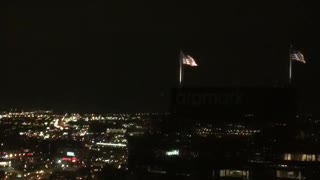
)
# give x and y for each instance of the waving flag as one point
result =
(185, 59)
(294, 55)
(188, 60)
(297, 56)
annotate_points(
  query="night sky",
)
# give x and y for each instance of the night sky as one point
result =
(117, 56)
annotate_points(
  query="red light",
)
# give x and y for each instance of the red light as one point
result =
(29, 154)
(70, 159)
(66, 159)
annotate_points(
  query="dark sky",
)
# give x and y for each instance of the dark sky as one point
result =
(123, 55)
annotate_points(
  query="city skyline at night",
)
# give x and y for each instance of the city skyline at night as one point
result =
(139, 90)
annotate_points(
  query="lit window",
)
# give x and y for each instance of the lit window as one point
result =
(233, 173)
(308, 157)
(288, 157)
(222, 173)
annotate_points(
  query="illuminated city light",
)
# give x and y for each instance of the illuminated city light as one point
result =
(70, 154)
(111, 144)
(173, 153)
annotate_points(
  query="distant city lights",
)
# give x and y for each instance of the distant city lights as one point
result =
(173, 153)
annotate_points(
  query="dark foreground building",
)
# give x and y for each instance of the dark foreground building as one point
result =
(228, 133)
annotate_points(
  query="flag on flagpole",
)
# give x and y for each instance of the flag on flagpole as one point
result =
(185, 59)
(297, 56)
(294, 55)
(188, 60)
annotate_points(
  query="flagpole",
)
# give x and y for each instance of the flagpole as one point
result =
(180, 69)
(290, 65)
(290, 70)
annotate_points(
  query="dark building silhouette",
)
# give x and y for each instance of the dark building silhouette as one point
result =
(227, 133)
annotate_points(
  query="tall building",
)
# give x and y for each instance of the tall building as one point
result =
(222, 133)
